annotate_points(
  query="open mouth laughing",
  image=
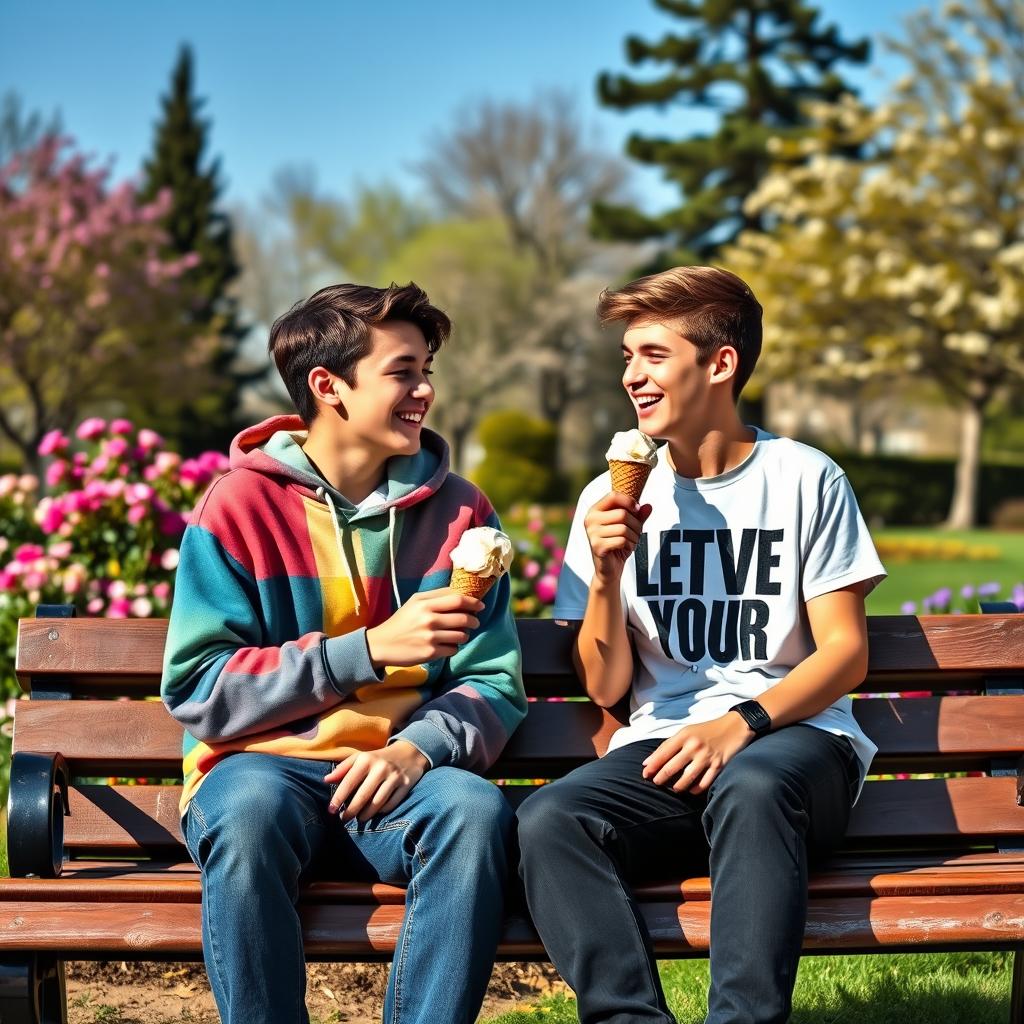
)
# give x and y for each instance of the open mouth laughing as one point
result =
(411, 418)
(646, 403)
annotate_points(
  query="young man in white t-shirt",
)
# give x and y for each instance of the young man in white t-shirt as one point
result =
(729, 604)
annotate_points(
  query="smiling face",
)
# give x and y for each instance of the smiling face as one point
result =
(668, 388)
(384, 409)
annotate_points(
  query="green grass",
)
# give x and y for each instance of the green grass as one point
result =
(938, 988)
(912, 581)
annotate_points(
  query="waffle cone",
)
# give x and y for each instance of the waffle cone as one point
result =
(470, 584)
(629, 477)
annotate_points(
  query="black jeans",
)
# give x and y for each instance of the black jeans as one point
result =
(778, 803)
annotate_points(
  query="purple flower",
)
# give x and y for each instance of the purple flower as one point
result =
(989, 589)
(943, 596)
(908, 608)
(967, 592)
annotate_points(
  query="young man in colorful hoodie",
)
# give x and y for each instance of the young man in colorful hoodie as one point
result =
(338, 698)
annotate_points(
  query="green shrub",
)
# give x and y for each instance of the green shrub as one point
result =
(519, 459)
(918, 492)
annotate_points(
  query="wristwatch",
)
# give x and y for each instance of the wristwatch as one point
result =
(755, 716)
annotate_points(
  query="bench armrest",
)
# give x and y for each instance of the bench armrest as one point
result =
(35, 814)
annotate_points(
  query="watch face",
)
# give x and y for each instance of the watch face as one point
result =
(755, 716)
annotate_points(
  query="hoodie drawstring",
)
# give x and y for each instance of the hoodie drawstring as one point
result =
(323, 493)
(392, 521)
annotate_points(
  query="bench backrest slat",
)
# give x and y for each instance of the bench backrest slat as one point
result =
(139, 738)
(143, 820)
(98, 656)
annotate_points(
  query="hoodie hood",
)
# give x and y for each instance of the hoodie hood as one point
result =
(274, 448)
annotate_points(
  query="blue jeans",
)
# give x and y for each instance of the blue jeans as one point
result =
(257, 828)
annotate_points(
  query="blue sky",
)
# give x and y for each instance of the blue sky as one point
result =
(354, 90)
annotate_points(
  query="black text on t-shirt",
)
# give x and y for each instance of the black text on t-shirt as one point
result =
(730, 628)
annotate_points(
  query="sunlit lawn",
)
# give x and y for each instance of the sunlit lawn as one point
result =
(913, 581)
(940, 988)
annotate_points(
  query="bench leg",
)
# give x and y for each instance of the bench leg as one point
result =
(1017, 991)
(32, 990)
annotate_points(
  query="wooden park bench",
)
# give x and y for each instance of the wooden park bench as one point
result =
(99, 871)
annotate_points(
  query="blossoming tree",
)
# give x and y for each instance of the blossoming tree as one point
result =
(907, 264)
(90, 308)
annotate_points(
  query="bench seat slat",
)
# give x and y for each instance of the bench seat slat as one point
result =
(134, 738)
(104, 659)
(173, 929)
(180, 883)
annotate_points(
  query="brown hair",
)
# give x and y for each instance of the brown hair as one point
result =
(332, 329)
(707, 305)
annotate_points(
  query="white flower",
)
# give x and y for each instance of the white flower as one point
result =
(984, 238)
(997, 138)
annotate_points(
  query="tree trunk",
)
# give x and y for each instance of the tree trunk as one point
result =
(458, 436)
(968, 469)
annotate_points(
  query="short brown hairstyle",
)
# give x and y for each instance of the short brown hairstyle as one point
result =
(707, 305)
(332, 329)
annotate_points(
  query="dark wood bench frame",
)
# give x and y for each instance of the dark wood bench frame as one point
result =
(99, 871)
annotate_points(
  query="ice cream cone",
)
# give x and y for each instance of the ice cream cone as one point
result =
(629, 477)
(471, 584)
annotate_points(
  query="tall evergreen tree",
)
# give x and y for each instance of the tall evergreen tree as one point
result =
(194, 224)
(755, 61)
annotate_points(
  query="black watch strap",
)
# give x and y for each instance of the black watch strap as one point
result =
(755, 716)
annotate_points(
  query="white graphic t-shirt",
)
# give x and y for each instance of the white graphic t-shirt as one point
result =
(714, 594)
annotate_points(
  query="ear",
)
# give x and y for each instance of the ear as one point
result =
(723, 365)
(326, 388)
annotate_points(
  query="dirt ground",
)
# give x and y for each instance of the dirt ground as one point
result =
(147, 993)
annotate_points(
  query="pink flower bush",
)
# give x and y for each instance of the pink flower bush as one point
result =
(105, 531)
(539, 557)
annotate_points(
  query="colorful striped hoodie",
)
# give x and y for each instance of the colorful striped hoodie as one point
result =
(279, 578)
